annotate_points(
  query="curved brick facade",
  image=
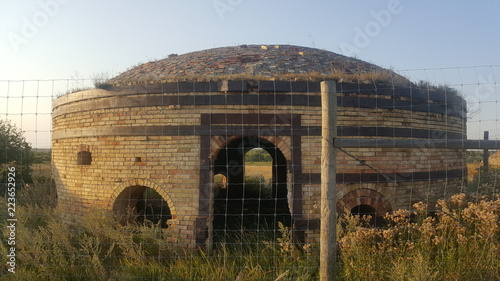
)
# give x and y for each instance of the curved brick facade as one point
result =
(173, 137)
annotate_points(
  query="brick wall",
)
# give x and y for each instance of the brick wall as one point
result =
(168, 142)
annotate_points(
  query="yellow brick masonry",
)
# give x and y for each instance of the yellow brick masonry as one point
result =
(171, 164)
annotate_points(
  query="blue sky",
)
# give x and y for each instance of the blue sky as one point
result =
(94, 36)
(441, 41)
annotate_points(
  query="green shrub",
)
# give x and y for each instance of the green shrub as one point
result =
(257, 187)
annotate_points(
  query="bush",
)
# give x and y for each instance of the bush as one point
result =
(257, 187)
(258, 155)
(40, 156)
(15, 151)
(485, 184)
(461, 242)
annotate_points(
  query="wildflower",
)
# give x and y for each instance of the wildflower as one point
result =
(420, 206)
(388, 234)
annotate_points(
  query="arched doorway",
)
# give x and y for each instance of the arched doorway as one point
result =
(367, 210)
(244, 204)
(365, 202)
(143, 205)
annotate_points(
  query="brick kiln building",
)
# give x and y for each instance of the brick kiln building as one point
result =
(150, 142)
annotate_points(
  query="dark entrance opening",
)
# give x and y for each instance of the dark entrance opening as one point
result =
(143, 205)
(246, 205)
(367, 210)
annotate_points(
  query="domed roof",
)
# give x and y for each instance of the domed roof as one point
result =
(255, 62)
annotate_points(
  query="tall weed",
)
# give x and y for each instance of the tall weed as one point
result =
(461, 242)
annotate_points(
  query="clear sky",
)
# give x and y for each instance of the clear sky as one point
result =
(441, 41)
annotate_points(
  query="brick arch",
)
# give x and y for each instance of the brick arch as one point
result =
(227, 153)
(147, 183)
(282, 143)
(364, 196)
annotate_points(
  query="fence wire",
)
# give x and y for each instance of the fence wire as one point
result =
(188, 180)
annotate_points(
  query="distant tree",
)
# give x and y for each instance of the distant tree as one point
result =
(15, 151)
(258, 155)
(41, 156)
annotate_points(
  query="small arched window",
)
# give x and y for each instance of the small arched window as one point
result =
(84, 158)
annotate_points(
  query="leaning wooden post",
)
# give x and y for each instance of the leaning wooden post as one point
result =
(328, 230)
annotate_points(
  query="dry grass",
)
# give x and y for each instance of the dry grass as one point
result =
(41, 170)
(460, 242)
(257, 169)
(472, 170)
(367, 77)
(102, 249)
(495, 159)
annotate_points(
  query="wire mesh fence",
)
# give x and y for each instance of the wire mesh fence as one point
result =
(213, 180)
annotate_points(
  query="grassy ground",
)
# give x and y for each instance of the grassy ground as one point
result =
(259, 168)
(461, 241)
(41, 170)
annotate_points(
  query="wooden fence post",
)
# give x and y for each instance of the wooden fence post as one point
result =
(486, 154)
(328, 230)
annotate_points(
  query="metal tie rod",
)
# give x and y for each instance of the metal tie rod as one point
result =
(416, 143)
